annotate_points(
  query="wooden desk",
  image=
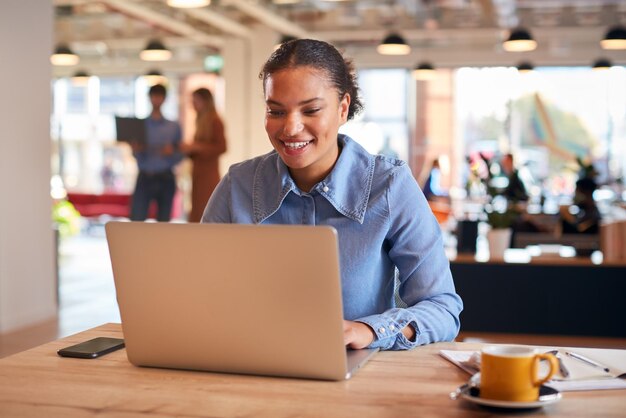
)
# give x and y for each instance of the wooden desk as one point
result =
(38, 383)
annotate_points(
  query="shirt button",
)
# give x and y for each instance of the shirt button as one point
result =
(381, 330)
(391, 327)
(325, 189)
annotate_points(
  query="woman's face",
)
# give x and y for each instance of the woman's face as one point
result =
(198, 103)
(302, 119)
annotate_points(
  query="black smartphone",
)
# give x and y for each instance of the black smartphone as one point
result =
(93, 348)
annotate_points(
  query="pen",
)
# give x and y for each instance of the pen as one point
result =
(587, 360)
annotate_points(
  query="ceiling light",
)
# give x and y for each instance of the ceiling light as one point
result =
(615, 38)
(63, 55)
(155, 51)
(154, 77)
(424, 71)
(393, 44)
(519, 40)
(601, 64)
(525, 67)
(188, 4)
(80, 78)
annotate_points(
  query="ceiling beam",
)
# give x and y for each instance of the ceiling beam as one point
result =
(505, 12)
(220, 22)
(133, 44)
(268, 18)
(165, 22)
(488, 11)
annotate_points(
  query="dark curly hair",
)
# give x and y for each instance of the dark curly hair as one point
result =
(322, 56)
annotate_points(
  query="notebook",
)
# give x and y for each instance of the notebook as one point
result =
(130, 129)
(249, 299)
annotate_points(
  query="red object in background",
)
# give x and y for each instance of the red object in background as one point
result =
(116, 205)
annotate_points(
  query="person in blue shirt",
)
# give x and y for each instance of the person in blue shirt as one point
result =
(397, 287)
(156, 158)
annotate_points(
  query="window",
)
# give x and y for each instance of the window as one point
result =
(547, 119)
(86, 155)
(382, 127)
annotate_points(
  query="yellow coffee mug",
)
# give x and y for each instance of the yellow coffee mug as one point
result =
(511, 373)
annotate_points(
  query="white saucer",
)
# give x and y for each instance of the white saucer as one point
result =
(471, 392)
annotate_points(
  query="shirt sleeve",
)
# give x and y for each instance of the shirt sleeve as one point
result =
(176, 156)
(425, 281)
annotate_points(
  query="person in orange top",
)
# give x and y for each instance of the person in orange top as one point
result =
(208, 144)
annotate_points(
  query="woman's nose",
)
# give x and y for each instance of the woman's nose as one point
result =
(293, 125)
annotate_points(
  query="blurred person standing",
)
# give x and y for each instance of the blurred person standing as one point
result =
(432, 186)
(515, 190)
(156, 159)
(208, 144)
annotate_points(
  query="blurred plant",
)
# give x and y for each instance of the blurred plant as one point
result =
(66, 217)
(501, 220)
(500, 213)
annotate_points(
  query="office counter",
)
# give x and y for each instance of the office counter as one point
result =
(562, 296)
(38, 383)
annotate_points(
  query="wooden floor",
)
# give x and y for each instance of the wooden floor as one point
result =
(87, 299)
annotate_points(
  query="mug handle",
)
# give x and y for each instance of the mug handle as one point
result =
(554, 367)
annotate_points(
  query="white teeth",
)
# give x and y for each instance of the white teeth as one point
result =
(296, 145)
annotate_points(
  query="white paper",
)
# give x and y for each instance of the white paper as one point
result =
(582, 376)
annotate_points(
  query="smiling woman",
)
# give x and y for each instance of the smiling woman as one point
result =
(316, 176)
(304, 132)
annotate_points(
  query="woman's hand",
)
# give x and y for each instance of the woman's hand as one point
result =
(357, 334)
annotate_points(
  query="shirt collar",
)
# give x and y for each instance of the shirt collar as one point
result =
(347, 192)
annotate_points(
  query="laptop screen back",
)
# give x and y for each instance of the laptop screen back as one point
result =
(230, 298)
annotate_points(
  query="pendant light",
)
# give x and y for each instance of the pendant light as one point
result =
(154, 77)
(615, 38)
(64, 56)
(424, 71)
(393, 44)
(519, 40)
(525, 67)
(80, 78)
(601, 64)
(155, 51)
(188, 4)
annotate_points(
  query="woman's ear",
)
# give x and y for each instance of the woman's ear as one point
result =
(344, 107)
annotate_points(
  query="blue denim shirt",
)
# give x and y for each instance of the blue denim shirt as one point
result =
(383, 223)
(159, 132)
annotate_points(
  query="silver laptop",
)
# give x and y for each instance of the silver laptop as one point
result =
(231, 298)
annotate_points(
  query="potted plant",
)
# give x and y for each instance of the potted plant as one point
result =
(500, 212)
(499, 235)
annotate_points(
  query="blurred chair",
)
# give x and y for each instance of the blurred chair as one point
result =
(441, 210)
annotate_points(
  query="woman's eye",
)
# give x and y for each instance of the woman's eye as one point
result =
(311, 111)
(274, 112)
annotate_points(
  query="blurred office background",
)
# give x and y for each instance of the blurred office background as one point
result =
(454, 89)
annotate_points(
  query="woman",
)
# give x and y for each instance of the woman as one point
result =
(320, 177)
(208, 144)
